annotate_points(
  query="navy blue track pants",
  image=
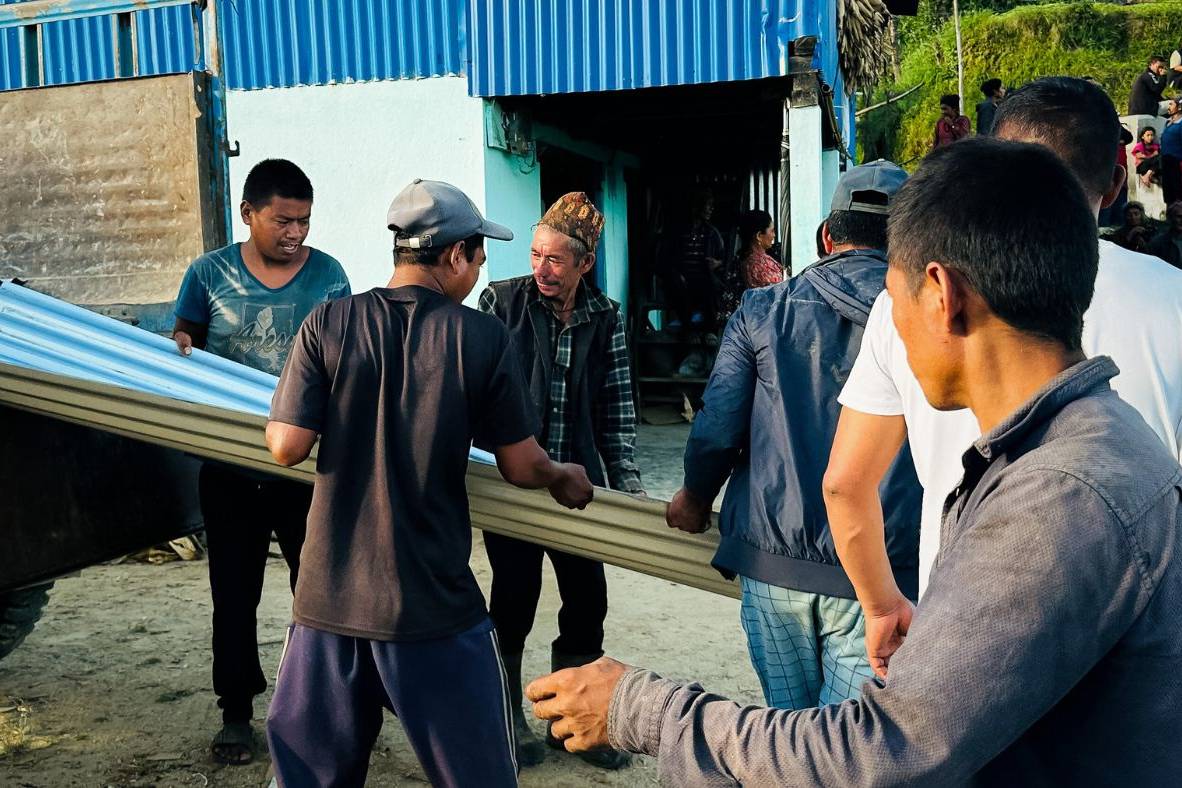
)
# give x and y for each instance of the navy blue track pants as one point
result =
(450, 695)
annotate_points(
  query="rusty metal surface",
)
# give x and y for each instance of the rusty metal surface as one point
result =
(104, 196)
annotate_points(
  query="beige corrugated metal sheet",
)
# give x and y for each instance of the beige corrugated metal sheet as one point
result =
(618, 529)
(105, 194)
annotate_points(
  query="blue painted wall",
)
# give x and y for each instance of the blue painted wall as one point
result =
(513, 197)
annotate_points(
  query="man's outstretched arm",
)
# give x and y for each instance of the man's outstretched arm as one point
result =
(721, 429)
(863, 450)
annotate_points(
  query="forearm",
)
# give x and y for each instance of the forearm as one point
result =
(542, 472)
(617, 447)
(703, 739)
(615, 422)
(721, 429)
(709, 458)
(527, 465)
(859, 534)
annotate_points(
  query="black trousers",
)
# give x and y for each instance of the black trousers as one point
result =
(1171, 179)
(241, 511)
(517, 584)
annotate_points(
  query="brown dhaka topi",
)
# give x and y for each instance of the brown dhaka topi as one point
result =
(575, 215)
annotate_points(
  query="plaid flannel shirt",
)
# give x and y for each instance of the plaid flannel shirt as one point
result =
(615, 410)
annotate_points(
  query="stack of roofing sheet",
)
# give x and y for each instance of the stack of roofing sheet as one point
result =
(64, 361)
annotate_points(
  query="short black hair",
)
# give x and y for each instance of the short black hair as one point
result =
(860, 228)
(1073, 117)
(990, 86)
(275, 178)
(429, 256)
(1156, 59)
(950, 100)
(1023, 236)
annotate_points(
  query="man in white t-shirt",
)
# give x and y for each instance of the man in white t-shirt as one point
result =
(1135, 317)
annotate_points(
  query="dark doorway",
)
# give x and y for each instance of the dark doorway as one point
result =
(562, 172)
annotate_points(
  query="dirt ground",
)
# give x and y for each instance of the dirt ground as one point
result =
(113, 687)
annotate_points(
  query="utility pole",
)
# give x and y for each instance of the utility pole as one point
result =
(959, 55)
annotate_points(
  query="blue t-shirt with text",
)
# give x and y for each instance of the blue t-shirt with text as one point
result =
(249, 322)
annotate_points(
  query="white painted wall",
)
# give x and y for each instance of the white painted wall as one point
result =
(360, 144)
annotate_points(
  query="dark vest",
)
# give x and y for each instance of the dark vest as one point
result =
(519, 306)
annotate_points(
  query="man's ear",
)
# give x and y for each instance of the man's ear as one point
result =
(945, 289)
(456, 258)
(245, 210)
(826, 239)
(587, 264)
(1118, 182)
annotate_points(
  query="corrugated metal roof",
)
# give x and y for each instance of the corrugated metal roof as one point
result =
(269, 43)
(518, 47)
(60, 360)
(527, 47)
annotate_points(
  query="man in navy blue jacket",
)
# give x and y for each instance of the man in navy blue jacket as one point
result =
(768, 423)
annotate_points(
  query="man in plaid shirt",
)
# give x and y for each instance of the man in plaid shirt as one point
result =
(570, 339)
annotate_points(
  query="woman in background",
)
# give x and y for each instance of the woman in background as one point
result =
(753, 267)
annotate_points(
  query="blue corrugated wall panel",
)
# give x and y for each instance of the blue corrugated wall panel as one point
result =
(78, 51)
(277, 43)
(525, 47)
(83, 50)
(164, 40)
(10, 58)
(266, 43)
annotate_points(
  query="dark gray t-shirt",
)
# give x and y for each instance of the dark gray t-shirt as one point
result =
(249, 322)
(398, 382)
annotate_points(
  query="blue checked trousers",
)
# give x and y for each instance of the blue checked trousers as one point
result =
(808, 649)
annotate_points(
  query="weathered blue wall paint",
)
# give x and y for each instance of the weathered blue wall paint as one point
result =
(513, 196)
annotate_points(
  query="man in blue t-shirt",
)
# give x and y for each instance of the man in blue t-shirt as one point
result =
(245, 302)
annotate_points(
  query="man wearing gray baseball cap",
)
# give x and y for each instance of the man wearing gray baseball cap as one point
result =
(397, 383)
(769, 419)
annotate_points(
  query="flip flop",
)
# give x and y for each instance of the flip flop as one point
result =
(234, 744)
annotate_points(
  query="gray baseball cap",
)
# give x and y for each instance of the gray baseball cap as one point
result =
(880, 177)
(436, 214)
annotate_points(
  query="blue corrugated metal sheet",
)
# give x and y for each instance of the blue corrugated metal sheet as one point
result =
(10, 57)
(165, 40)
(275, 43)
(525, 47)
(43, 333)
(83, 50)
(79, 50)
(266, 43)
(46, 334)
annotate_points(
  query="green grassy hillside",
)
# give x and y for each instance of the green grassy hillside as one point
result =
(1109, 42)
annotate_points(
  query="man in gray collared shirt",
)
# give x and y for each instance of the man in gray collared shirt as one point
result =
(1046, 649)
